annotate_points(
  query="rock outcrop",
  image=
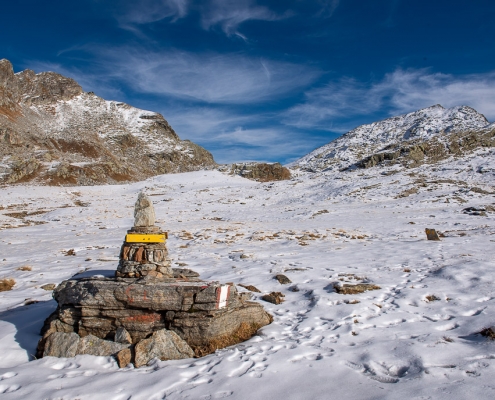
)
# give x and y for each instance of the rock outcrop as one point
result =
(418, 152)
(148, 310)
(261, 172)
(54, 133)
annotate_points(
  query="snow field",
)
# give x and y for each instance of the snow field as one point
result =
(413, 338)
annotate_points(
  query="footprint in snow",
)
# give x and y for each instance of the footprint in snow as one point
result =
(64, 365)
(9, 388)
(218, 395)
(7, 375)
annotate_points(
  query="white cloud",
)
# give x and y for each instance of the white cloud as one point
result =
(398, 92)
(260, 144)
(327, 7)
(227, 14)
(147, 11)
(211, 77)
(235, 137)
(230, 14)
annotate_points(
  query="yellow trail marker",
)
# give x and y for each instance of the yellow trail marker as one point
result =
(145, 238)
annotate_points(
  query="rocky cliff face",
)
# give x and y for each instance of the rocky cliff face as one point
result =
(52, 132)
(433, 132)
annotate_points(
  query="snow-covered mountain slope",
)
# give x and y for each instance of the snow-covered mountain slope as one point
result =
(366, 140)
(51, 132)
(414, 337)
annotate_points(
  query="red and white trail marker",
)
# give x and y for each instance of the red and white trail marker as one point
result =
(222, 296)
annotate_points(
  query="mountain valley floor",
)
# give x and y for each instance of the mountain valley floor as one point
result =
(415, 337)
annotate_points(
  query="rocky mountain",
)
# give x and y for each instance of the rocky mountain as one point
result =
(54, 133)
(427, 135)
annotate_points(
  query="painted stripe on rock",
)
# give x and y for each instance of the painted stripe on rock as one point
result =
(222, 296)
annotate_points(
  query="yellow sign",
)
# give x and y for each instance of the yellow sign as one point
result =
(146, 238)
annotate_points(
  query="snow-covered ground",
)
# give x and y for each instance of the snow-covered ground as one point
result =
(319, 230)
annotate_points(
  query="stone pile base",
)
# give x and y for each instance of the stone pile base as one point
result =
(205, 316)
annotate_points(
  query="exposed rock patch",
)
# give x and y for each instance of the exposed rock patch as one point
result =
(282, 279)
(274, 297)
(418, 152)
(261, 172)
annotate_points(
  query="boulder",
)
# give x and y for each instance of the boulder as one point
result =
(274, 297)
(163, 344)
(282, 279)
(60, 344)
(95, 346)
(124, 357)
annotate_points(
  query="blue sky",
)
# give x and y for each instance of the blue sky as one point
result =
(263, 80)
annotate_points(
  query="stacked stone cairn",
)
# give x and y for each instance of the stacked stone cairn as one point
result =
(139, 259)
(148, 310)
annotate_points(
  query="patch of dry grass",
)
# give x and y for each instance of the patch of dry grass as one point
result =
(355, 289)
(6, 284)
(251, 288)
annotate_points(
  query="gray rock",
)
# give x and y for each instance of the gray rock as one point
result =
(95, 346)
(122, 336)
(282, 279)
(60, 344)
(163, 344)
(144, 213)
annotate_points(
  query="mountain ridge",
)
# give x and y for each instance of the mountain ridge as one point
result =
(369, 139)
(52, 132)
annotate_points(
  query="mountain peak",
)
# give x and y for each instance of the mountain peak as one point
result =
(52, 132)
(368, 139)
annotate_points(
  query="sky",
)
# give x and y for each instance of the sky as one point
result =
(263, 80)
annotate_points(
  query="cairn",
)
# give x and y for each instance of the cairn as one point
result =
(144, 252)
(148, 310)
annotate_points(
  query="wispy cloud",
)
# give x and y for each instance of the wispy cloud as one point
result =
(227, 14)
(230, 14)
(233, 137)
(260, 144)
(147, 11)
(207, 77)
(398, 92)
(327, 7)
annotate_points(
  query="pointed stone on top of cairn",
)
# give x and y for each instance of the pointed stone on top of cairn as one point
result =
(144, 213)
(144, 253)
